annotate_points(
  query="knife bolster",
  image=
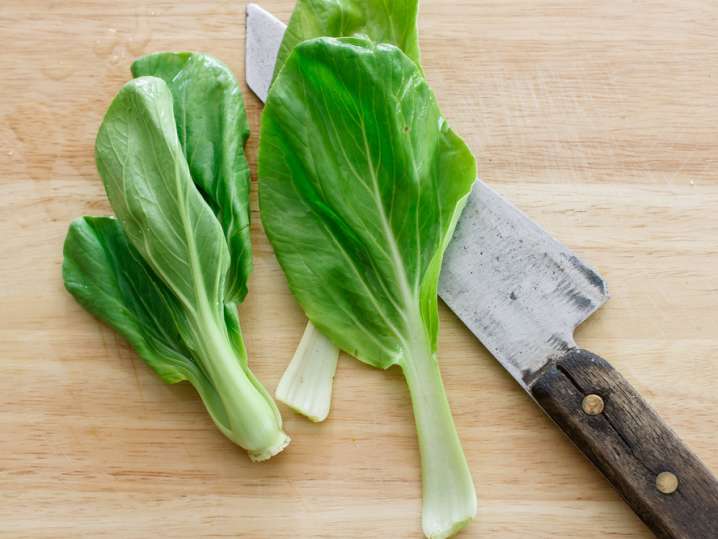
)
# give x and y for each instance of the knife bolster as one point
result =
(669, 488)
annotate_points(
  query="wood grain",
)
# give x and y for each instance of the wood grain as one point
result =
(660, 478)
(599, 119)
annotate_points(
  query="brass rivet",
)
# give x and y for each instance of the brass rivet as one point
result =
(666, 482)
(592, 404)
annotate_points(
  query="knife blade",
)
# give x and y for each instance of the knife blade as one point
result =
(522, 294)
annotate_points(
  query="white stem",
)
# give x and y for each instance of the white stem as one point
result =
(306, 385)
(449, 498)
(253, 422)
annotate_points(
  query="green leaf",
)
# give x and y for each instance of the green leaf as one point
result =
(361, 181)
(383, 21)
(176, 233)
(389, 22)
(361, 185)
(213, 130)
(108, 277)
(151, 191)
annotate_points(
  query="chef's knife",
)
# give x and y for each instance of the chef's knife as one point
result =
(522, 293)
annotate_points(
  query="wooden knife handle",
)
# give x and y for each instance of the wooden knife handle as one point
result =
(663, 482)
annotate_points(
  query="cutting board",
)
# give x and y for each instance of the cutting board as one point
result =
(599, 119)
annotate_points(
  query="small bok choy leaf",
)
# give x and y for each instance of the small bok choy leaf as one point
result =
(160, 277)
(212, 129)
(361, 185)
(306, 385)
(380, 20)
(108, 277)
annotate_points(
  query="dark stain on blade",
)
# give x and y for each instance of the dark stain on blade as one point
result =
(560, 345)
(591, 276)
(558, 342)
(580, 301)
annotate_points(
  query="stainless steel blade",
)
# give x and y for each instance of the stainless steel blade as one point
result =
(521, 292)
(264, 35)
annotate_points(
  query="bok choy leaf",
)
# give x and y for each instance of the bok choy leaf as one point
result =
(108, 277)
(306, 385)
(361, 185)
(380, 20)
(212, 129)
(158, 274)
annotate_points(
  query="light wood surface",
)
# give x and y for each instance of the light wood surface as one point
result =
(599, 119)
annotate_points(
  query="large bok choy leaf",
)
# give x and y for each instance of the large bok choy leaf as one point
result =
(160, 278)
(306, 385)
(361, 185)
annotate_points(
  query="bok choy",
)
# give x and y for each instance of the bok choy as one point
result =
(306, 385)
(361, 185)
(383, 22)
(167, 272)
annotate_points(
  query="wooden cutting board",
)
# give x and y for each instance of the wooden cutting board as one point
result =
(599, 119)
